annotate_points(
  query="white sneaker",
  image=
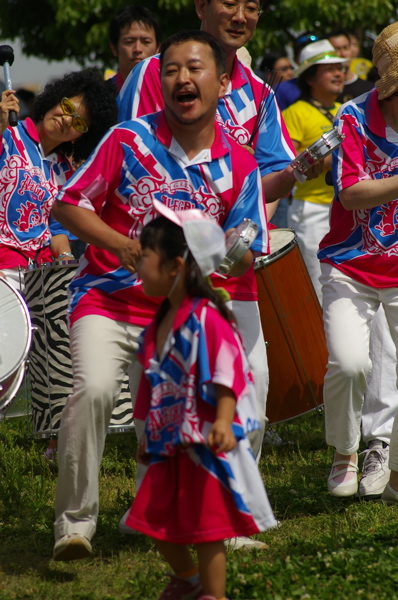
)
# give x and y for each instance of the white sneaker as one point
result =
(389, 496)
(343, 482)
(244, 542)
(124, 528)
(375, 471)
(72, 547)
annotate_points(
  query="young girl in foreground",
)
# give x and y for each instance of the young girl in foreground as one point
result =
(197, 396)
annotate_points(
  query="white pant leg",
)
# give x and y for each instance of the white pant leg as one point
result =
(310, 222)
(393, 456)
(381, 396)
(101, 352)
(140, 468)
(348, 309)
(248, 318)
(390, 305)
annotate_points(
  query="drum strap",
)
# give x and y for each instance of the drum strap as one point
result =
(31, 261)
(321, 108)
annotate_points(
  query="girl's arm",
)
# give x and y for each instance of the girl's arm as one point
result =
(142, 455)
(221, 437)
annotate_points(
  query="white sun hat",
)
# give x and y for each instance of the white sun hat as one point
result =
(318, 53)
(204, 237)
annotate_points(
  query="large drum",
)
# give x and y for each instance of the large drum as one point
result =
(15, 339)
(50, 364)
(291, 319)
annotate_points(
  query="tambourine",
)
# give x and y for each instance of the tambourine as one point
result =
(237, 245)
(328, 142)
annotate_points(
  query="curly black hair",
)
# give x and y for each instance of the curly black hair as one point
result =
(99, 98)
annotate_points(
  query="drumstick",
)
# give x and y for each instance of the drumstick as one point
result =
(267, 96)
(6, 59)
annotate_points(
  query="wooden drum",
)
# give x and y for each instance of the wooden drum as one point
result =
(291, 319)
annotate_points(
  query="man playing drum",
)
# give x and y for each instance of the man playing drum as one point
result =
(182, 157)
(250, 114)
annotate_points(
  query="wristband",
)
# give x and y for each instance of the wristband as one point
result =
(65, 255)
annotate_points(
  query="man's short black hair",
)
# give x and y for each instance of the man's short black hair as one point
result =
(338, 33)
(133, 14)
(196, 35)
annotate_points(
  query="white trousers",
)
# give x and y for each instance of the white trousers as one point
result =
(310, 222)
(349, 308)
(248, 318)
(381, 396)
(102, 350)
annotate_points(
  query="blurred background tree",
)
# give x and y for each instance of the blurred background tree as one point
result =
(78, 29)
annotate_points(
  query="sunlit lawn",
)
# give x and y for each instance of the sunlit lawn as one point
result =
(325, 548)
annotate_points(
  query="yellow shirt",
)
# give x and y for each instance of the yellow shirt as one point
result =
(361, 66)
(306, 124)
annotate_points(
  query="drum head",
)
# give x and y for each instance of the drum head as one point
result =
(281, 241)
(15, 331)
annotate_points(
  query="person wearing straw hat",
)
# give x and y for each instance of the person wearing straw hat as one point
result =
(358, 260)
(181, 157)
(320, 77)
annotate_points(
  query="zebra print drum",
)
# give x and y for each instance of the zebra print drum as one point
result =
(50, 364)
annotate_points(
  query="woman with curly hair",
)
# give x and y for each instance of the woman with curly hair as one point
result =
(39, 155)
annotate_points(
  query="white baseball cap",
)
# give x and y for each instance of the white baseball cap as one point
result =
(204, 237)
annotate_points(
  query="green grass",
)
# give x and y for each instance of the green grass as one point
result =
(325, 549)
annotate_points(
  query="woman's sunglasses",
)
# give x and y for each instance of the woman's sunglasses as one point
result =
(69, 109)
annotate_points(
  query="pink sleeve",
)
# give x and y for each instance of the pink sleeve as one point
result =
(141, 93)
(89, 187)
(351, 157)
(228, 364)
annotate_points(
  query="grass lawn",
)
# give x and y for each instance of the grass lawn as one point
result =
(325, 548)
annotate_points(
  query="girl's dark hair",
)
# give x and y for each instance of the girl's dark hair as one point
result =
(99, 98)
(167, 238)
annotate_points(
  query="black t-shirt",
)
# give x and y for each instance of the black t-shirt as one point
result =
(354, 89)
